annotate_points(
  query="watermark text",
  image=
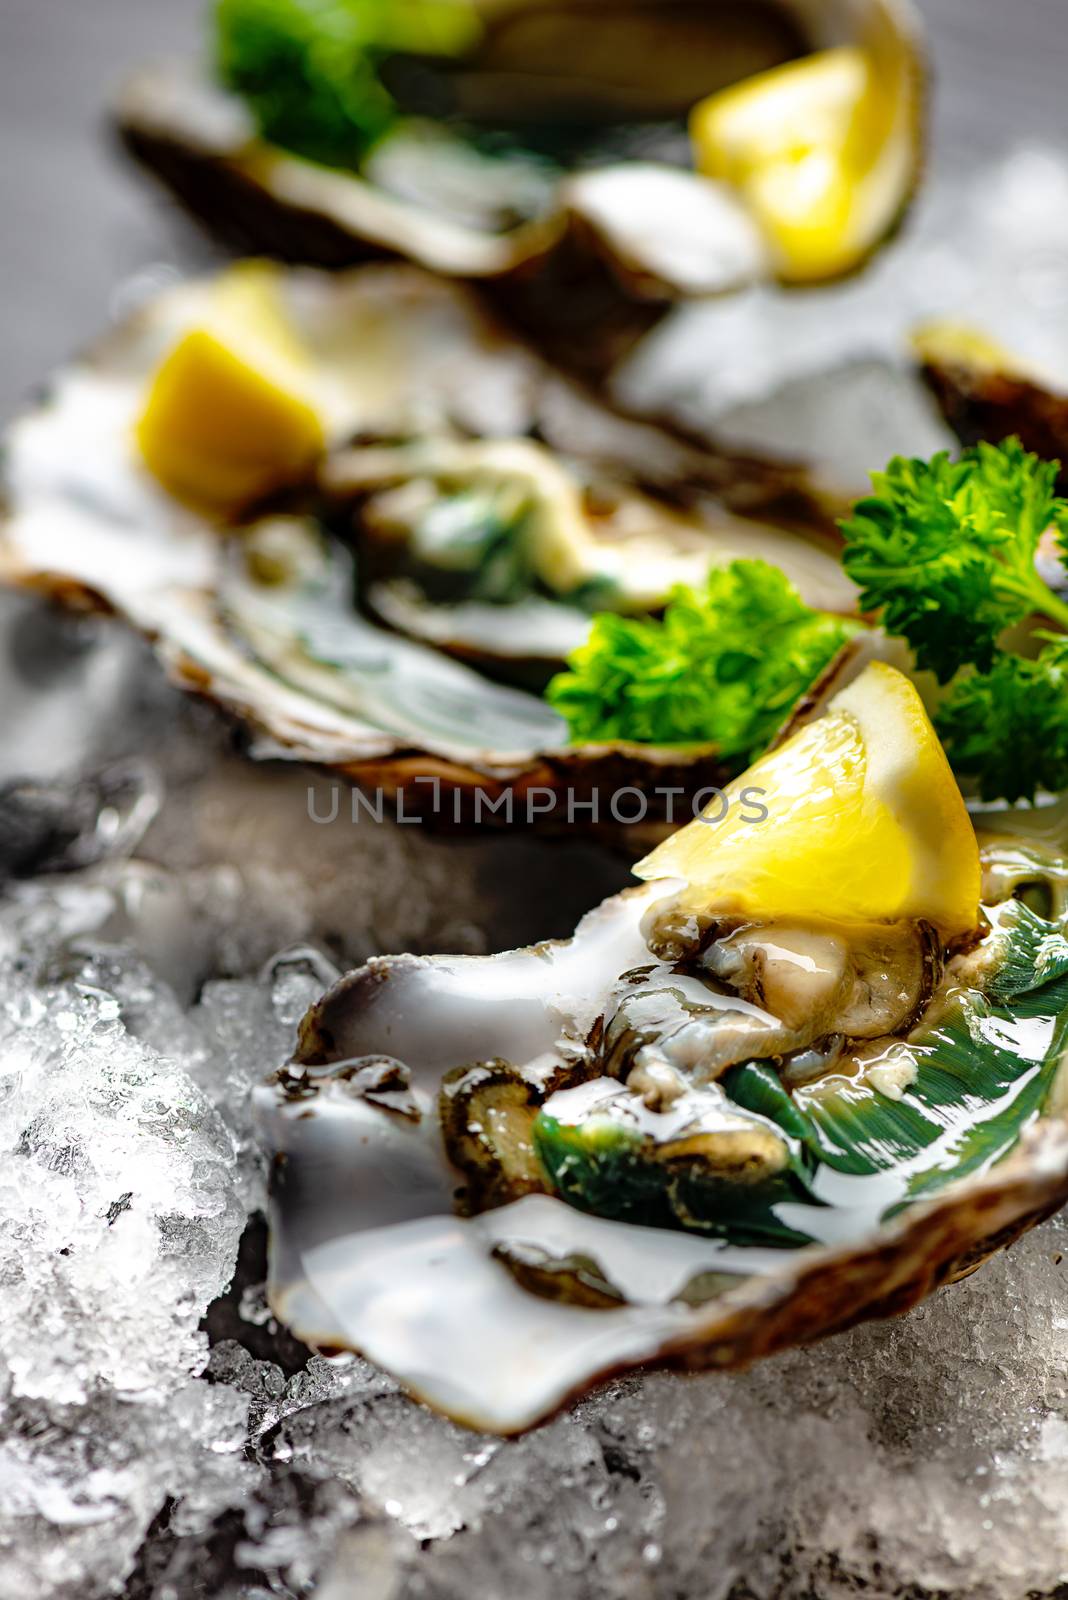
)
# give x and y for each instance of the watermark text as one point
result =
(427, 798)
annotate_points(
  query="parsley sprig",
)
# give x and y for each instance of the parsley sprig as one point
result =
(309, 70)
(725, 665)
(945, 553)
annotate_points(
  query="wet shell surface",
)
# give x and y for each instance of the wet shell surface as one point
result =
(584, 247)
(986, 391)
(465, 1190)
(261, 618)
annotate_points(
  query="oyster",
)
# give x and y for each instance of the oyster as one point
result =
(499, 550)
(695, 1134)
(614, 1210)
(545, 155)
(253, 605)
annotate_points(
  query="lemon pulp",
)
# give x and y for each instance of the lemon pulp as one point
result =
(229, 415)
(864, 823)
(824, 150)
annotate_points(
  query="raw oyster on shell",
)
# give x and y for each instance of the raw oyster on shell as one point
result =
(499, 550)
(550, 162)
(257, 609)
(574, 1185)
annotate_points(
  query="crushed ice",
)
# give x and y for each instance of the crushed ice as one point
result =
(825, 375)
(163, 1438)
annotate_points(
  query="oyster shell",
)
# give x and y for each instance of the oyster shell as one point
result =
(584, 218)
(260, 617)
(986, 391)
(618, 1211)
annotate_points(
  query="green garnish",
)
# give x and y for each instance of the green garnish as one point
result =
(981, 1075)
(725, 665)
(975, 1075)
(1008, 728)
(945, 552)
(309, 69)
(481, 545)
(474, 540)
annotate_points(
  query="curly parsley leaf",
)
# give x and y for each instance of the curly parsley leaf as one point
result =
(1008, 728)
(725, 665)
(945, 551)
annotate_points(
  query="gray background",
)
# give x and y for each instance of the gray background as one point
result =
(76, 220)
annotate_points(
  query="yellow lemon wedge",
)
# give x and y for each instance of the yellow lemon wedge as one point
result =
(230, 415)
(825, 151)
(864, 823)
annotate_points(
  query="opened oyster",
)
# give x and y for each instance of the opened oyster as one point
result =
(541, 147)
(713, 1123)
(207, 471)
(499, 550)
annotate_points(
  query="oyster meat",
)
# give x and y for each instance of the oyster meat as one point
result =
(499, 550)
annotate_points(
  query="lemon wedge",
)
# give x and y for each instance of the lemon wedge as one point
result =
(864, 824)
(230, 414)
(824, 151)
